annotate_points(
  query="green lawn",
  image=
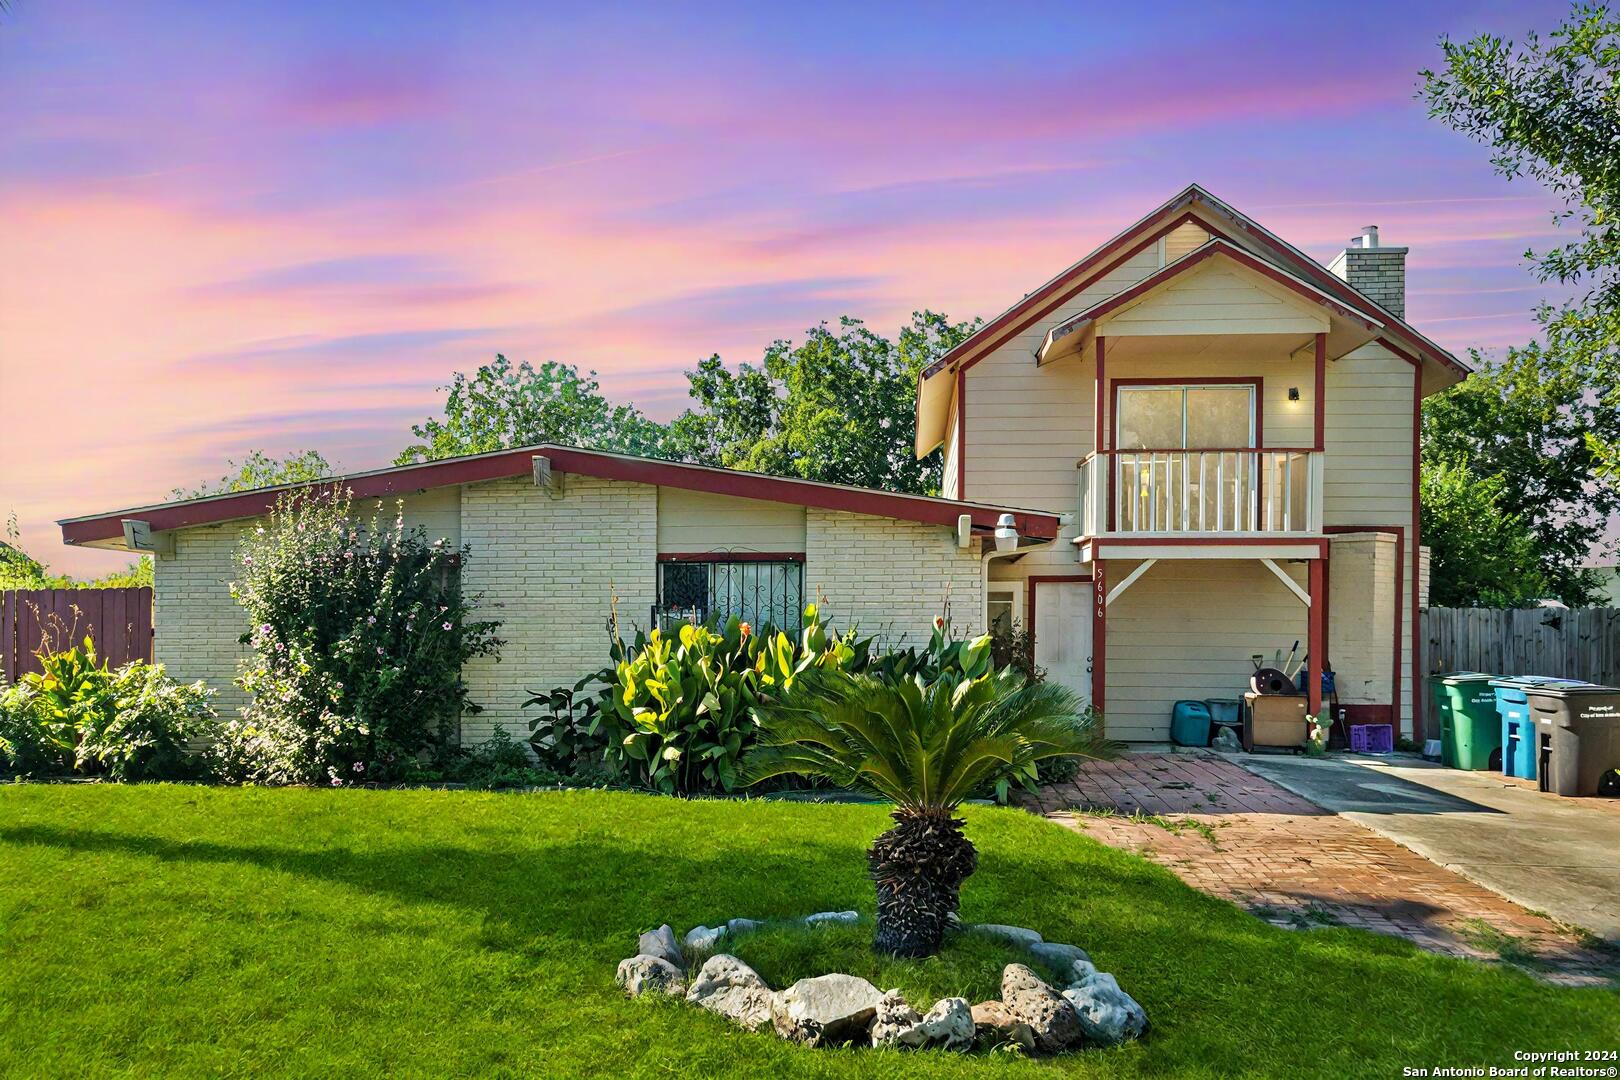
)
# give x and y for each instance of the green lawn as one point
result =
(182, 931)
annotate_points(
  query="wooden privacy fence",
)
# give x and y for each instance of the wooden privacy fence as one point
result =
(120, 621)
(1583, 643)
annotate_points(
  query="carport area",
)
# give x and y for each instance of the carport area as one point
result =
(1490, 871)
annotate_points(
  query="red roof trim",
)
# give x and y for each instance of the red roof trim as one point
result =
(1057, 291)
(1218, 246)
(515, 463)
(1003, 327)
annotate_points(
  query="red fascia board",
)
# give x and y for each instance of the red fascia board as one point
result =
(1061, 288)
(516, 463)
(1208, 250)
(1034, 306)
(1332, 283)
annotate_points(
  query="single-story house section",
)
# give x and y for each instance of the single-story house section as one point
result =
(557, 534)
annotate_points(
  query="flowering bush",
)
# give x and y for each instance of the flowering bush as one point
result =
(129, 723)
(358, 634)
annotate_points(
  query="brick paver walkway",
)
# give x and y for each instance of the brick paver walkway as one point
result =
(1236, 835)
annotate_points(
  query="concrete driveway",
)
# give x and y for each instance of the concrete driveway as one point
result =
(1550, 854)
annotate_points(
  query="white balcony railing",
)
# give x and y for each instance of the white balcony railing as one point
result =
(1201, 492)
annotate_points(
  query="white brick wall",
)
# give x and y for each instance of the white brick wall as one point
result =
(547, 568)
(195, 622)
(890, 577)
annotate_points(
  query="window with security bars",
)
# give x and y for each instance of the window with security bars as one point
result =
(756, 592)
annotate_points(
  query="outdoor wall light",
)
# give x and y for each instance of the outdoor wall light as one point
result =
(1006, 533)
(1293, 393)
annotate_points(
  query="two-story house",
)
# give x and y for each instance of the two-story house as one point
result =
(1230, 429)
(1193, 446)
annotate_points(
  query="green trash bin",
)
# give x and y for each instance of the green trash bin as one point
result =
(1470, 729)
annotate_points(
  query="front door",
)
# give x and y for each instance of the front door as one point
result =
(1062, 621)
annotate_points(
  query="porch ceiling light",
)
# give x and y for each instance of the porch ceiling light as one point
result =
(1006, 533)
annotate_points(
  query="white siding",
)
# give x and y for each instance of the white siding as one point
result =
(695, 521)
(1182, 239)
(1367, 471)
(1186, 629)
(951, 471)
(1215, 297)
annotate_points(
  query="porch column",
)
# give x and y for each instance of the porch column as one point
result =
(1099, 634)
(1321, 392)
(1317, 634)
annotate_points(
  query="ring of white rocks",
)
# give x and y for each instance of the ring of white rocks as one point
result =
(1090, 1009)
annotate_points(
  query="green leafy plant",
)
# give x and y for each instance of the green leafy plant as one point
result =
(1320, 726)
(358, 633)
(500, 761)
(128, 723)
(568, 736)
(679, 716)
(925, 746)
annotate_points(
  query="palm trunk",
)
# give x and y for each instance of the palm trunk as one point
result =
(918, 867)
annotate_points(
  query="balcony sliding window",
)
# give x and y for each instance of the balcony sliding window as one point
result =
(1186, 461)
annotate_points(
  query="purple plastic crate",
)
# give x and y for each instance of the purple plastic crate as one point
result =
(1372, 738)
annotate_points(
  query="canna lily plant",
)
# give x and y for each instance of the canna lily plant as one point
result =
(926, 746)
(680, 713)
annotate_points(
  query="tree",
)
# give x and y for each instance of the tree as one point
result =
(1481, 556)
(1550, 109)
(20, 570)
(503, 405)
(1520, 428)
(260, 470)
(926, 747)
(838, 407)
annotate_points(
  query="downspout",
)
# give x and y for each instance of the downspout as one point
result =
(1005, 530)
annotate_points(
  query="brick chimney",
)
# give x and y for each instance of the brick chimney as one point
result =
(1378, 273)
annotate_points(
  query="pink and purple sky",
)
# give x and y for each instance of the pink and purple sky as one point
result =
(281, 225)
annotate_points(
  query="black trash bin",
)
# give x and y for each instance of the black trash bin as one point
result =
(1577, 736)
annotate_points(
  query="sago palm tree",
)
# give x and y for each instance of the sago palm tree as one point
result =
(924, 746)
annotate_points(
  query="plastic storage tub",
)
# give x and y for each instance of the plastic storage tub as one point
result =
(1225, 712)
(1190, 724)
(1578, 735)
(1470, 729)
(1519, 742)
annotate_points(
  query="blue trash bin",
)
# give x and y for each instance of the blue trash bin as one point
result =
(1518, 726)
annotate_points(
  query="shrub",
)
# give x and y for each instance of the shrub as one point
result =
(132, 723)
(161, 729)
(358, 634)
(498, 762)
(673, 712)
(568, 737)
(26, 748)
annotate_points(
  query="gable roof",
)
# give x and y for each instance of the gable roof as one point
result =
(1213, 248)
(1195, 205)
(509, 464)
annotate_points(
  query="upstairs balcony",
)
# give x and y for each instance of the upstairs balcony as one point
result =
(1210, 497)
